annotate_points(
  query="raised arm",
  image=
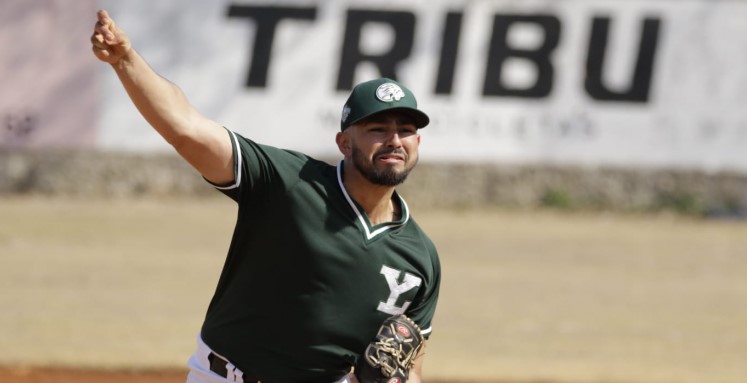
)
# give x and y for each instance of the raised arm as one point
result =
(205, 144)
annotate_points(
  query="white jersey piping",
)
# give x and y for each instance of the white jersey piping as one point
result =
(361, 219)
(237, 162)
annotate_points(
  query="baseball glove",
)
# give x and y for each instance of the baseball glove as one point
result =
(390, 356)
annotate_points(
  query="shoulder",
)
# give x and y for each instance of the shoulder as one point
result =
(264, 153)
(422, 244)
(418, 232)
(263, 167)
(246, 144)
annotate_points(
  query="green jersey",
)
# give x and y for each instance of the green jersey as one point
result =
(308, 280)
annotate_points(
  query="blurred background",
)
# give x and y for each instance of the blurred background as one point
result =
(584, 176)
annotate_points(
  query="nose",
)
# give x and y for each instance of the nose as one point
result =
(394, 139)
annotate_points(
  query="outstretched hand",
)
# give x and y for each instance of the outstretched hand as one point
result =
(109, 42)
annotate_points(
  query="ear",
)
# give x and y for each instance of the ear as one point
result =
(343, 143)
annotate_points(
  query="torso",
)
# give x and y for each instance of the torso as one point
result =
(308, 279)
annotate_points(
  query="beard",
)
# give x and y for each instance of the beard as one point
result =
(385, 176)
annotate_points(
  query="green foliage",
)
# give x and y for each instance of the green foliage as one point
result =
(557, 199)
(681, 203)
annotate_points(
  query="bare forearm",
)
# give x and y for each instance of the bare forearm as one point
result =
(417, 368)
(161, 102)
(202, 142)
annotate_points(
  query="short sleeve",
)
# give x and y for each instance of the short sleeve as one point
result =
(425, 309)
(258, 169)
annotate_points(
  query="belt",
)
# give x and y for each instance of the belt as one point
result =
(219, 366)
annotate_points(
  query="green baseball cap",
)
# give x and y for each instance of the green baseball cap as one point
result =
(380, 95)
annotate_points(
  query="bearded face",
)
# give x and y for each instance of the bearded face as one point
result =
(382, 148)
(378, 170)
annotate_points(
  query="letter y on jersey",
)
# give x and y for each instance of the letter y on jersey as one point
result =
(396, 289)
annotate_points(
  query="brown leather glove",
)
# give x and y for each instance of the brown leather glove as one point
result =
(390, 356)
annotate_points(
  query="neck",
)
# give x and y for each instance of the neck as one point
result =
(376, 200)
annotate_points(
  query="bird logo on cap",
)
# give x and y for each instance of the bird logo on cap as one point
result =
(389, 92)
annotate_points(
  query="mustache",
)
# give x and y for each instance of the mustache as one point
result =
(387, 151)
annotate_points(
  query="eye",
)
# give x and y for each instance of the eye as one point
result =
(408, 129)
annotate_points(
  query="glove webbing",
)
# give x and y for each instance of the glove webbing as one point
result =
(390, 346)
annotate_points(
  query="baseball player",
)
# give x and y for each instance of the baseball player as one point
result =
(321, 255)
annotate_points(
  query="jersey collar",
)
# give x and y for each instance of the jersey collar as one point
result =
(372, 231)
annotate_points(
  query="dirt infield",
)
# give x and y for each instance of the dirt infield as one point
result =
(57, 375)
(94, 286)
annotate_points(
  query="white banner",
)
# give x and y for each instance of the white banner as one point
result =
(590, 82)
(48, 82)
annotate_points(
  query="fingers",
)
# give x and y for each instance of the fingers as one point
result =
(105, 21)
(97, 42)
(103, 15)
(105, 31)
(100, 49)
(106, 28)
(108, 42)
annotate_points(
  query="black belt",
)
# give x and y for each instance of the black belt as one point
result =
(219, 366)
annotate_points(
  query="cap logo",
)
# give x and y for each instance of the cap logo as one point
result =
(345, 113)
(389, 92)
